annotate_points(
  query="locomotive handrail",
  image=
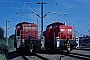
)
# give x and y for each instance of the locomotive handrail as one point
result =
(55, 23)
(19, 24)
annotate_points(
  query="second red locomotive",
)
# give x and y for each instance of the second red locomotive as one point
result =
(59, 36)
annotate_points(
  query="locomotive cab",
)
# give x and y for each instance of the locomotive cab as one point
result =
(26, 35)
(56, 35)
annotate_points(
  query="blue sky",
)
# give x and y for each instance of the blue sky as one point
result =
(78, 15)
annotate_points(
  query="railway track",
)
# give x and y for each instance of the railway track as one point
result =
(50, 55)
(83, 49)
(56, 56)
(77, 55)
(34, 57)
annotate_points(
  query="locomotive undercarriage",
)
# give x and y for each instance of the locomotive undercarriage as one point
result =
(27, 45)
(59, 45)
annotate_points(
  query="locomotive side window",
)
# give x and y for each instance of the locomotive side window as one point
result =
(47, 28)
(51, 26)
(62, 30)
(69, 31)
(54, 26)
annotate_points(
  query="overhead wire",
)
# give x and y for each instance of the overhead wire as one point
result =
(83, 20)
(84, 25)
(79, 14)
(82, 28)
(22, 11)
(75, 6)
(52, 8)
(31, 9)
(69, 9)
(36, 13)
(56, 3)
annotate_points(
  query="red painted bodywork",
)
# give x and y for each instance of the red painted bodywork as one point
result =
(58, 29)
(25, 29)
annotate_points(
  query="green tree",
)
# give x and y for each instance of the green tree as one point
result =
(11, 41)
(1, 33)
(12, 36)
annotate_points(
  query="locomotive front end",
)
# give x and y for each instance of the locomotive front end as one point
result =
(26, 36)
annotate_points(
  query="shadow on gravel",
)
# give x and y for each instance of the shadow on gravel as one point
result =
(12, 55)
(33, 54)
(50, 52)
(40, 52)
(15, 54)
(41, 57)
(23, 54)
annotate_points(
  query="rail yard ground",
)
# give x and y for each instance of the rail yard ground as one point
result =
(48, 55)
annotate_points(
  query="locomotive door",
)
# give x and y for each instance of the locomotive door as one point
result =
(18, 38)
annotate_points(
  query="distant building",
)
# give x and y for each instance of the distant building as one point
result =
(84, 38)
(84, 41)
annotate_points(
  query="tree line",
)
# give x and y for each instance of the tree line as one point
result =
(2, 34)
(3, 47)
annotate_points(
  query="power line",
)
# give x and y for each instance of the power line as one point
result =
(52, 8)
(75, 6)
(39, 3)
(31, 9)
(37, 14)
(69, 9)
(81, 19)
(80, 14)
(22, 11)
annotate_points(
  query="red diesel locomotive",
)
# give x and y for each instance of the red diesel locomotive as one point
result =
(26, 34)
(59, 36)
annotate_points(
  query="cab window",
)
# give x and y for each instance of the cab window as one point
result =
(54, 25)
(51, 26)
(69, 31)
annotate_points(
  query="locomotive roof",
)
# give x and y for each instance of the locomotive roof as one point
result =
(56, 23)
(23, 23)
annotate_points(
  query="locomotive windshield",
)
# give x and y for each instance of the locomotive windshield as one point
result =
(69, 31)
